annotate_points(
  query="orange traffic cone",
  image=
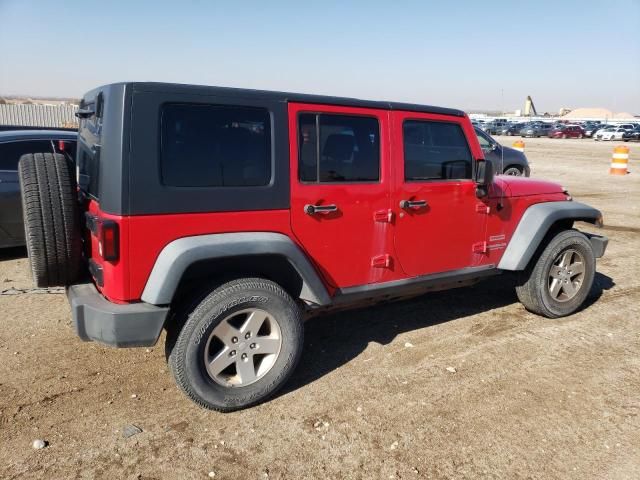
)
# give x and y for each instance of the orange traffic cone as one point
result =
(518, 145)
(619, 161)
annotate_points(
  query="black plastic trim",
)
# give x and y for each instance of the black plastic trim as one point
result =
(415, 285)
(96, 272)
(534, 225)
(127, 325)
(177, 256)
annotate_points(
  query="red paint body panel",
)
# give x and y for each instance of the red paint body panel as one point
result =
(439, 237)
(342, 244)
(143, 237)
(524, 186)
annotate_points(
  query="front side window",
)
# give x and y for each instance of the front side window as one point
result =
(338, 148)
(435, 151)
(485, 144)
(215, 146)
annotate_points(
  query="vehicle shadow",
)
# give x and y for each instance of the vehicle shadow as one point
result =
(333, 340)
(13, 253)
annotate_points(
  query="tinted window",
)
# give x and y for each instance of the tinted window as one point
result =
(215, 146)
(11, 152)
(435, 150)
(338, 148)
(484, 141)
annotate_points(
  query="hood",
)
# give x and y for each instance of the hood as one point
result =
(523, 186)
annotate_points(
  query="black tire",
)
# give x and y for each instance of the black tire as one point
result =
(533, 287)
(191, 328)
(513, 170)
(51, 218)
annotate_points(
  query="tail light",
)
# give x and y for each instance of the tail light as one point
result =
(108, 240)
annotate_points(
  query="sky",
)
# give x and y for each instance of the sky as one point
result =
(471, 55)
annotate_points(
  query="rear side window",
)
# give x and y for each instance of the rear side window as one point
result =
(11, 152)
(215, 146)
(338, 148)
(435, 151)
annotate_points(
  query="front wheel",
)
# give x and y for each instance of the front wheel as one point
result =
(513, 171)
(558, 282)
(238, 346)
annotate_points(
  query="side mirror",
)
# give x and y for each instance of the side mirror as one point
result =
(484, 177)
(494, 146)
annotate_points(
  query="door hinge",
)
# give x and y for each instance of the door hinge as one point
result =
(381, 261)
(482, 208)
(480, 247)
(385, 216)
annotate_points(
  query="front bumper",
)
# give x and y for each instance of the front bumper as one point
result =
(598, 243)
(127, 325)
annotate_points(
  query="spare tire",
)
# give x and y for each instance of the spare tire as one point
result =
(51, 218)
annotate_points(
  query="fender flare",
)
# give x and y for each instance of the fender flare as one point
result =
(534, 225)
(177, 256)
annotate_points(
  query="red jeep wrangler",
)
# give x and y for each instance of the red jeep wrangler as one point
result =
(228, 216)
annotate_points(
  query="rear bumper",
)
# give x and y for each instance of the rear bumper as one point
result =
(129, 325)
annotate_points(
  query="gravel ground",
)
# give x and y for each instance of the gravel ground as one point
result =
(458, 384)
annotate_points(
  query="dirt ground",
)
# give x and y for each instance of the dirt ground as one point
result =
(372, 398)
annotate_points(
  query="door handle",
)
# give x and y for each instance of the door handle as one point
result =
(324, 209)
(405, 204)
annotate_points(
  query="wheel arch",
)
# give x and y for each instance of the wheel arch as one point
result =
(189, 261)
(535, 226)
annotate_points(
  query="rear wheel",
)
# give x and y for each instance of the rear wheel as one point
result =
(558, 282)
(51, 218)
(237, 346)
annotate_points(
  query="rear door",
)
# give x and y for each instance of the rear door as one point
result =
(441, 223)
(340, 187)
(11, 225)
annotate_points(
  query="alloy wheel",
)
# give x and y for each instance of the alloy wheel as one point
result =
(243, 347)
(566, 275)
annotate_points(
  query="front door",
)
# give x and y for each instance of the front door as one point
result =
(440, 225)
(340, 188)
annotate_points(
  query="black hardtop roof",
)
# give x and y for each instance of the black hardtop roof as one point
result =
(287, 97)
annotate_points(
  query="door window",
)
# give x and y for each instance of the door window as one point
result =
(435, 151)
(11, 152)
(338, 148)
(483, 140)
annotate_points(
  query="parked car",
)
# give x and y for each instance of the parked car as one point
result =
(591, 128)
(511, 129)
(14, 144)
(626, 126)
(493, 128)
(612, 133)
(309, 204)
(568, 131)
(506, 160)
(536, 130)
(633, 135)
(600, 130)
